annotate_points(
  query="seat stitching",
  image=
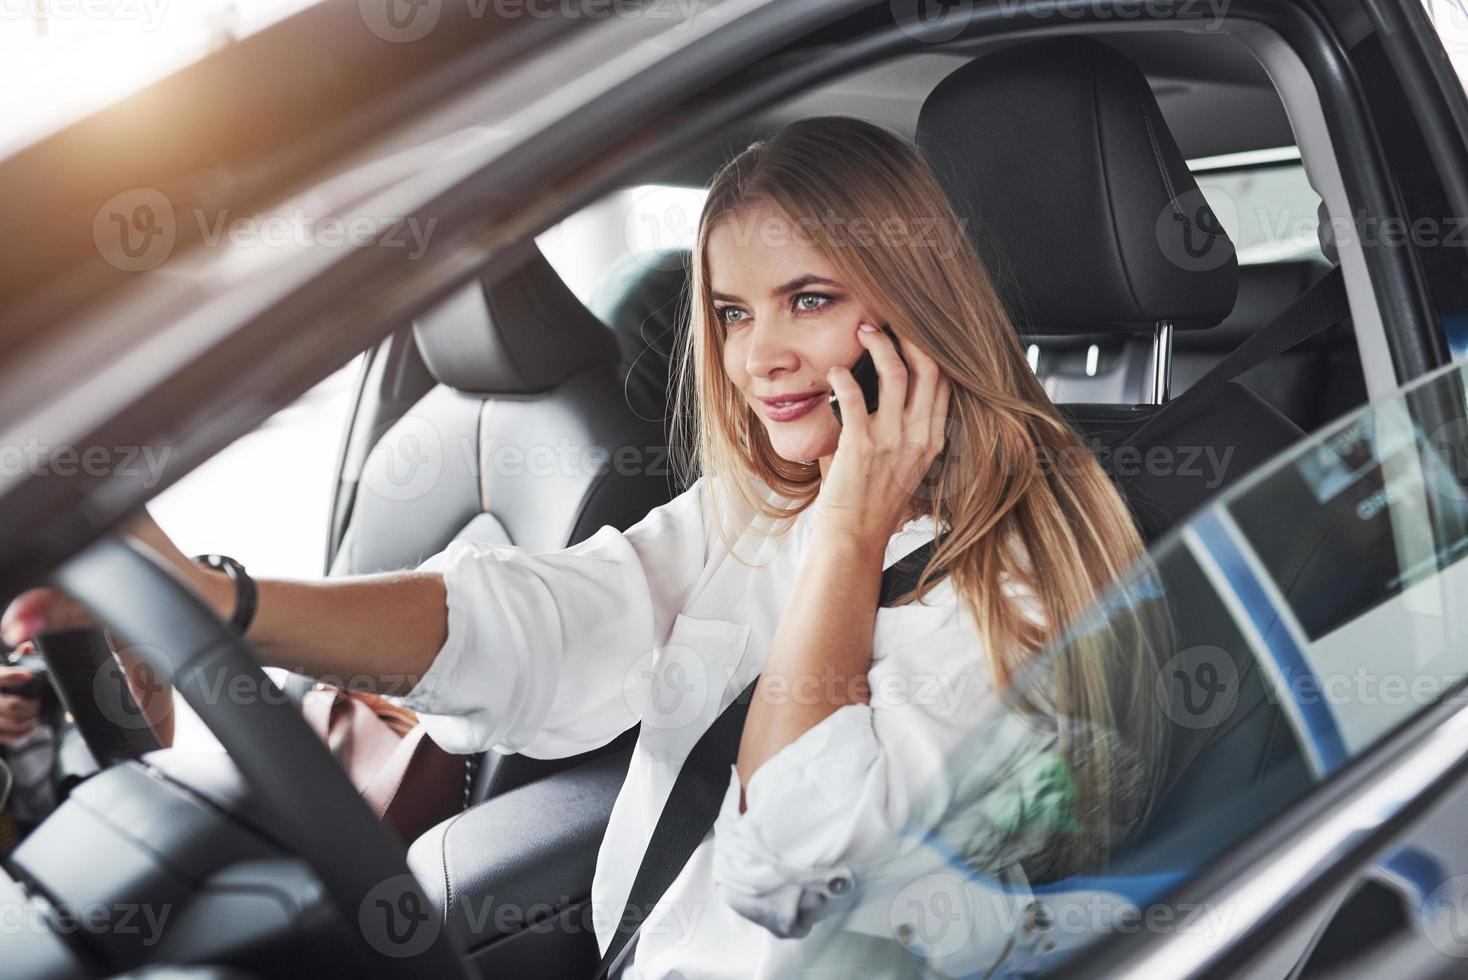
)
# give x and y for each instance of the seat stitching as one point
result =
(1156, 149)
(1106, 180)
(448, 883)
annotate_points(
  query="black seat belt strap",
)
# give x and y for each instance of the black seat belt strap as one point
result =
(1316, 310)
(693, 804)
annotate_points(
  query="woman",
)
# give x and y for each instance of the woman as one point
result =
(770, 565)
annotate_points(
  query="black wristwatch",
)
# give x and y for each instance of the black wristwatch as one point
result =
(244, 589)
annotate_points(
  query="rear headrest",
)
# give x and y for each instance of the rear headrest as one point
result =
(644, 301)
(1074, 192)
(522, 334)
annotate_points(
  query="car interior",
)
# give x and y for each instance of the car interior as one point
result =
(1062, 154)
(521, 360)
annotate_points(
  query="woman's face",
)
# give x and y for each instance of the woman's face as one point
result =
(787, 320)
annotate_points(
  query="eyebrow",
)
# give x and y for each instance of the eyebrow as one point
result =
(794, 285)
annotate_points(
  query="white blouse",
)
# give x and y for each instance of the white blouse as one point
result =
(554, 654)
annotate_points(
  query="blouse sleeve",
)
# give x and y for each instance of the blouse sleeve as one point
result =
(539, 645)
(838, 798)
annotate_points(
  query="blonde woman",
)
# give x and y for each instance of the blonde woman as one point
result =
(769, 566)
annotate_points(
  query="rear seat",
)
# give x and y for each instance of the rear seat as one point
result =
(643, 299)
(1317, 381)
(1310, 385)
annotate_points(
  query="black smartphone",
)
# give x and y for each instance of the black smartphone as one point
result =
(38, 686)
(865, 373)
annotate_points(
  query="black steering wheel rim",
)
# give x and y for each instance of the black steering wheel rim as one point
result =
(297, 784)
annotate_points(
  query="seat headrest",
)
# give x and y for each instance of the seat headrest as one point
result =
(1056, 156)
(644, 301)
(523, 333)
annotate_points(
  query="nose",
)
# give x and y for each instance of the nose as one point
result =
(769, 350)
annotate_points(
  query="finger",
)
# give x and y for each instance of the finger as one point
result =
(10, 676)
(849, 397)
(37, 610)
(891, 379)
(922, 387)
(939, 432)
(15, 730)
(17, 708)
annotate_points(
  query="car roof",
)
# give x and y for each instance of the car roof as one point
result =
(1214, 94)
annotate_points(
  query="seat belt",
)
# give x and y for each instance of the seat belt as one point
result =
(1314, 311)
(698, 792)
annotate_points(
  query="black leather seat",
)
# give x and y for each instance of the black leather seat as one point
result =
(1311, 384)
(643, 299)
(1058, 157)
(517, 444)
(1079, 200)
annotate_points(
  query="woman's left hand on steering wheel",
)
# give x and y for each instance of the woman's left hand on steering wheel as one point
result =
(18, 715)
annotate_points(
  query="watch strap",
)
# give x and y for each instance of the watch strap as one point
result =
(245, 596)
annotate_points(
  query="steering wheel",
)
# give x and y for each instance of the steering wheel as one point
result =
(300, 789)
(91, 687)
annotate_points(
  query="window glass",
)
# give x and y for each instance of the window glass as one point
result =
(61, 59)
(1259, 648)
(1450, 17)
(644, 221)
(266, 498)
(1269, 209)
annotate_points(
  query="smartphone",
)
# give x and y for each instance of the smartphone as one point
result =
(38, 686)
(865, 373)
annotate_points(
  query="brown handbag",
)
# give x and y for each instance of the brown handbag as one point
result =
(407, 780)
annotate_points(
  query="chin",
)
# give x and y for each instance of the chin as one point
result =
(801, 447)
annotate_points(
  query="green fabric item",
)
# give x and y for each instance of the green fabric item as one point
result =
(1040, 798)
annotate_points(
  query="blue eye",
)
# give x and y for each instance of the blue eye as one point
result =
(720, 313)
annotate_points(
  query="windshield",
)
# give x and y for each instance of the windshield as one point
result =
(62, 59)
(1278, 634)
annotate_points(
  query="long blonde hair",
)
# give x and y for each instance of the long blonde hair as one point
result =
(1012, 464)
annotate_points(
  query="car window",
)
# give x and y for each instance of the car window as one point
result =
(646, 220)
(60, 59)
(1265, 203)
(1450, 17)
(1266, 643)
(266, 498)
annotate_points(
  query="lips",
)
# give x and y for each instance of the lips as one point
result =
(791, 399)
(788, 408)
